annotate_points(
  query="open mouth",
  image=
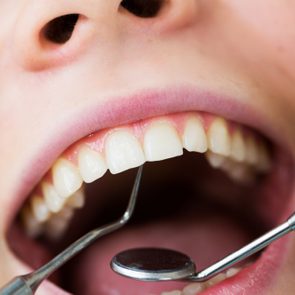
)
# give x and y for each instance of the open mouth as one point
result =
(211, 186)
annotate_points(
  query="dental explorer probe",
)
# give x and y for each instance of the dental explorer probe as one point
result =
(158, 264)
(28, 284)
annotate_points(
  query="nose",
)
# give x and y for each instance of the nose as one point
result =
(53, 33)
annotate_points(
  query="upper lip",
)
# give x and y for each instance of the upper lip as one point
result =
(123, 110)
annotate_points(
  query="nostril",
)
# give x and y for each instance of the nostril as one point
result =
(60, 29)
(143, 8)
(49, 42)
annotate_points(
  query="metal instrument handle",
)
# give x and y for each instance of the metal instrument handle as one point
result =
(245, 251)
(17, 286)
(28, 284)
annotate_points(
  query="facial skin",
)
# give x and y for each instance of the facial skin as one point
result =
(241, 49)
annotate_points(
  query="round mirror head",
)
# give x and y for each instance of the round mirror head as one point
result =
(153, 264)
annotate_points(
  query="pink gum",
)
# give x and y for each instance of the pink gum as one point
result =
(96, 141)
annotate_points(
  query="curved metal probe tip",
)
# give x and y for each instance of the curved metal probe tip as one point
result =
(28, 284)
(157, 264)
(246, 251)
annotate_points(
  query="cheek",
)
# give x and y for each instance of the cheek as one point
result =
(261, 35)
(272, 25)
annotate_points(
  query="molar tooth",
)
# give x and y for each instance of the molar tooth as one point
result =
(264, 161)
(193, 289)
(194, 136)
(123, 151)
(58, 224)
(53, 201)
(238, 146)
(55, 228)
(161, 142)
(92, 165)
(39, 209)
(66, 178)
(215, 160)
(251, 150)
(77, 200)
(33, 228)
(66, 213)
(241, 173)
(219, 138)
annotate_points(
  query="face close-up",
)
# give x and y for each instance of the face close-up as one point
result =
(201, 91)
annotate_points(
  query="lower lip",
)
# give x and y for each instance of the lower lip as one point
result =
(253, 279)
(257, 277)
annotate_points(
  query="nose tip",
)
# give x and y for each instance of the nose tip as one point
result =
(50, 35)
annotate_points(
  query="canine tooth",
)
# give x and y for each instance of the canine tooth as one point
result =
(193, 289)
(53, 201)
(33, 228)
(161, 141)
(219, 138)
(238, 147)
(175, 292)
(194, 136)
(39, 209)
(123, 151)
(77, 200)
(66, 178)
(215, 160)
(251, 151)
(92, 165)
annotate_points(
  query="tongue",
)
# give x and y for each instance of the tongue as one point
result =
(205, 240)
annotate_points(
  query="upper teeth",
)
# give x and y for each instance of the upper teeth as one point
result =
(161, 141)
(66, 178)
(219, 138)
(91, 164)
(123, 151)
(238, 147)
(194, 137)
(238, 153)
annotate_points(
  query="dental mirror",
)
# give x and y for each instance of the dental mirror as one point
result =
(153, 264)
(157, 264)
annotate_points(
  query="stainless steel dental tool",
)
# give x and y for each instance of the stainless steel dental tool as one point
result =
(28, 284)
(157, 264)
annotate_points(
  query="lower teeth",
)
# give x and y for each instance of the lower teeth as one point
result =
(196, 288)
